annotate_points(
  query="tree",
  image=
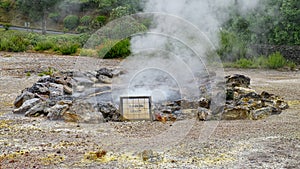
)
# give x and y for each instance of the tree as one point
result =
(37, 9)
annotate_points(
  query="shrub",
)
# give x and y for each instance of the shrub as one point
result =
(44, 45)
(82, 29)
(119, 12)
(244, 63)
(276, 60)
(291, 65)
(6, 4)
(99, 21)
(86, 20)
(71, 22)
(232, 48)
(260, 62)
(67, 48)
(14, 41)
(114, 49)
(6, 26)
(88, 52)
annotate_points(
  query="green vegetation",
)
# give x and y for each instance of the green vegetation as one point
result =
(273, 61)
(273, 22)
(13, 41)
(115, 50)
(276, 60)
(71, 22)
(59, 14)
(50, 71)
(17, 41)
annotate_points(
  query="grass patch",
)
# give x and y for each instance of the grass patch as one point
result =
(49, 72)
(88, 52)
(276, 61)
(273, 61)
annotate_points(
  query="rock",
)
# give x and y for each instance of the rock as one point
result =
(202, 113)
(67, 102)
(264, 113)
(281, 104)
(67, 90)
(251, 95)
(235, 113)
(266, 95)
(203, 102)
(237, 80)
(39, 88)
(109, 111)
(242, 91)
(56, 90)
(56, 112)
(26, 106)
(36, 110)
(66, 81)
(71, 117)
(22, 98)
(85, 112)
(147, 155)
(105, 72)
(104, 79)
(117, 72)
(46, 79)
(167, 111)
(79, 89)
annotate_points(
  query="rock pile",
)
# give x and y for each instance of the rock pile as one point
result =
(50, 96)
(86, 97)
(78, 97)
(245, 103)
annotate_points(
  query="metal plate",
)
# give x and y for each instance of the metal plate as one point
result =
(136, 108)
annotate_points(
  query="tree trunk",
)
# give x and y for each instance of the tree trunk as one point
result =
(44, 23)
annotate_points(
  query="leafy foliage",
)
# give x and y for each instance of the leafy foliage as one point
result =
(71, 22)
(273, 22)
(44, 45)
(17, 41)
(12, 41)
(86, 20)
(114, 49)
(55, 16)
(6, 4)
(119, 12)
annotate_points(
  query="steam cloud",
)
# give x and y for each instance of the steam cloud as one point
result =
(178, 47)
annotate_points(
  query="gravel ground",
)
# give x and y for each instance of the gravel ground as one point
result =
(39, 143)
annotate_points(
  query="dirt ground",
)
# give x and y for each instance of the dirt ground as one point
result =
(40, 143)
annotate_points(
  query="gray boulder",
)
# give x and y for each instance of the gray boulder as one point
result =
(22, 98)
(203, 113)
(56, 90)
(56, 112)
(109, 111)
(28, 104)
(36, 110)
(105, 72)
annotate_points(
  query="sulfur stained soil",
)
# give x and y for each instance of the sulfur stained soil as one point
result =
(25, 142)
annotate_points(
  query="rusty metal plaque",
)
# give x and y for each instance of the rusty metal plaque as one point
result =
(136, 108)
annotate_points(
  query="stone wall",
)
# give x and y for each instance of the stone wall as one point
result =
(291, 53)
